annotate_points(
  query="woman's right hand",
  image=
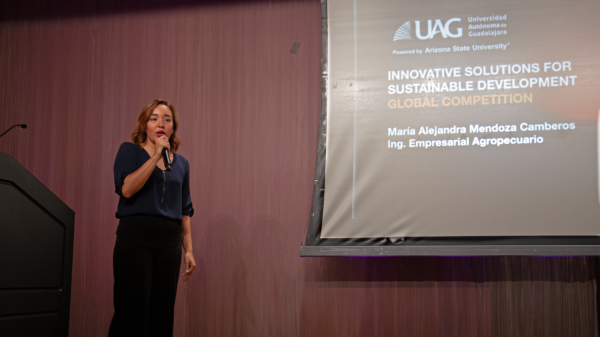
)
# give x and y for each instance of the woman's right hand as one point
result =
(161, 143)
(136, 180)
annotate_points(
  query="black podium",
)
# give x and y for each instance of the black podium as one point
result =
(36, 254)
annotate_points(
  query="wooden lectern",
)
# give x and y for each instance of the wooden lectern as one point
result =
(36, 255)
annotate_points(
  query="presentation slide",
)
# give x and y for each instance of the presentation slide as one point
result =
(462, 118)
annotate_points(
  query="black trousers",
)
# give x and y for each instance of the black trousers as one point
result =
(146, 264)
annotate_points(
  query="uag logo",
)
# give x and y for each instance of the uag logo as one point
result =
(433, 28)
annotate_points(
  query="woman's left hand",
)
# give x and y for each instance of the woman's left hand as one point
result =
(190, 265)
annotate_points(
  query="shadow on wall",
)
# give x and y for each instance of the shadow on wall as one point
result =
(449, 269)
(225, 294)
(43, 10)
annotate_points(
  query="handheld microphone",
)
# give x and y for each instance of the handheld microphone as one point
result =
(166, 159)
(21, 125)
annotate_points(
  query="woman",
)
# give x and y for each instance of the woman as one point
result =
(154, 211)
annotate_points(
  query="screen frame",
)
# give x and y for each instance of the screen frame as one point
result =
(314, 245)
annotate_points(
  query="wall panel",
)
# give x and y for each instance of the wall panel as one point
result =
(78, 76)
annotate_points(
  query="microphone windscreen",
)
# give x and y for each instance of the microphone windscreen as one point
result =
(24, 126)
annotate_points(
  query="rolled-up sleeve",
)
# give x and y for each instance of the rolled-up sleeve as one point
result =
(186, 198)
(125, 164)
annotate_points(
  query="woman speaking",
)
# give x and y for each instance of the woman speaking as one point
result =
(154, 222)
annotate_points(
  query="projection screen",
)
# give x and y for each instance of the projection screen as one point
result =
(461, 119)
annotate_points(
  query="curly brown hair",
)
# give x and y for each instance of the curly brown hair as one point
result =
(139, 134)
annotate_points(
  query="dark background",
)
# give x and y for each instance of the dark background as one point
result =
(79, 72)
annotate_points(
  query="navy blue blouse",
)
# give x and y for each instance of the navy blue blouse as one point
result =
(165, 194)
